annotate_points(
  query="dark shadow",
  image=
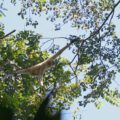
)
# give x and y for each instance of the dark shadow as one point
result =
(42, 114)
(6, 113)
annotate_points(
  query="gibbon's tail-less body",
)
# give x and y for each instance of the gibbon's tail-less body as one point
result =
(41, 68)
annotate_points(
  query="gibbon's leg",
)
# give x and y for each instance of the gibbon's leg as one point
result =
(40, 80)
(40, 76)
(42, 87)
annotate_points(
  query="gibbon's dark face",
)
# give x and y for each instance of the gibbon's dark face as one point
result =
(50, 63)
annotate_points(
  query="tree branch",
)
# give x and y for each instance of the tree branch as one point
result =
(7, 34)
(55, 38)
(97, 31)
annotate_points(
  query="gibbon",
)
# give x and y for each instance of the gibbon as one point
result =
(40, 68)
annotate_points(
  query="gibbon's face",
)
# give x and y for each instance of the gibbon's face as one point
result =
(49, 63)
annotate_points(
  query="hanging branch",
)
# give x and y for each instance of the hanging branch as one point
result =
(7, 34)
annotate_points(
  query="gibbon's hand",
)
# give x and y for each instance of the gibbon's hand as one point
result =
(73, 38)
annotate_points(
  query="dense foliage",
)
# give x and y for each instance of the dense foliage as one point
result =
(97, 59)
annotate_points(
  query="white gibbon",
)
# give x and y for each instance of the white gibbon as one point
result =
(40, 68)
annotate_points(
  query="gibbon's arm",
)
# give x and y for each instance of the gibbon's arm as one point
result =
(59, 52)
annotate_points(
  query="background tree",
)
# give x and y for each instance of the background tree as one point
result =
(98, 57)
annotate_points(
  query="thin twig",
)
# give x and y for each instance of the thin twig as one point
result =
(7, 34)
(50, 45)
(73, 59)
(46, 42)
(74, 72)
(55, 38)
(100, 51)
(111, 18)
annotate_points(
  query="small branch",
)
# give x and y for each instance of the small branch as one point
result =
(111, 18)
(74, 72)
(73, 59)
(46, 42)
(7, 34)
(56, 38)
(49, 45)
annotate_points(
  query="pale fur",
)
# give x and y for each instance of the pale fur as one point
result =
(41, 68)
